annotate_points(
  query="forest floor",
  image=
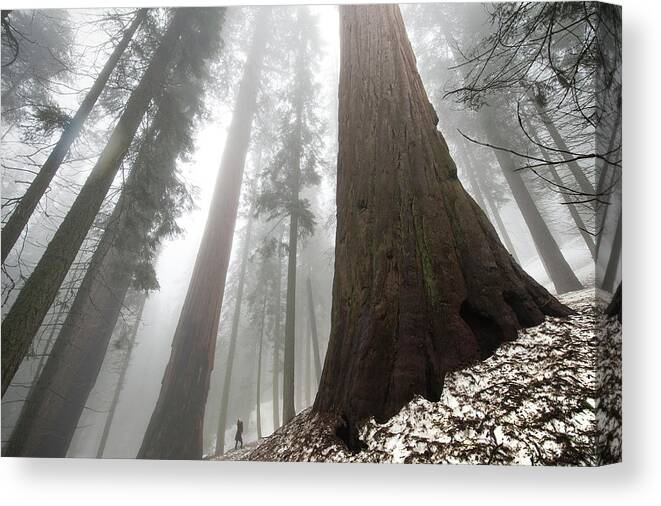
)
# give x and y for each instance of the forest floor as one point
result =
(552, 397)
(239, 454)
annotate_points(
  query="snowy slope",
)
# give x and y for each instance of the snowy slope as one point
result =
(552, 397)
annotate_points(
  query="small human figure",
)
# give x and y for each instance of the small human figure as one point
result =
(238, 437)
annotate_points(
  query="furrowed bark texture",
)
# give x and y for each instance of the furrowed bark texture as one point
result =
(422, 283)
(26, 206)
(175, 428)
(28, 311)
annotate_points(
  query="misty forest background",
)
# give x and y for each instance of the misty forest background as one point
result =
(151, 298)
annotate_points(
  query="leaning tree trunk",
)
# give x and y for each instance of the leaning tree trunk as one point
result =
(422, 283)
(28, 311)
(51, 412)
(610, 273)
(77, 275)
(614, 308)
(560, 273)
(175, 427)
(122, 376)
(586, 187)
(557, 180)
(229, 365)
(26, 206)
(485, 196)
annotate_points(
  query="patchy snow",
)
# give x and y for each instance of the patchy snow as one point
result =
(552, 397)
(238, 454)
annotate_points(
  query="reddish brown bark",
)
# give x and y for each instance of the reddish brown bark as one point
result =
(422, 283)
(175, 428)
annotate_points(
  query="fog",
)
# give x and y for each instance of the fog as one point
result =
(175, 255)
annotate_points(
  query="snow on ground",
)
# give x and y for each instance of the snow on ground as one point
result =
(239, 454)
(552, 397)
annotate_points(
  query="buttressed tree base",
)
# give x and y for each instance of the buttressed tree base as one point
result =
(356, 233)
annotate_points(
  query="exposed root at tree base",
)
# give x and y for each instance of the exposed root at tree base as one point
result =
(552, 397)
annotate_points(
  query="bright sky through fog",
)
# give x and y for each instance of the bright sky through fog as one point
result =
(177, 258)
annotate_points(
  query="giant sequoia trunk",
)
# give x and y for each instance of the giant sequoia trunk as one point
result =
(26, 206)
(175, 428)
(422, 283)
(28, 311)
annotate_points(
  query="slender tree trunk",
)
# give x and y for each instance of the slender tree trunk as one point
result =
(471, 161)
(578, 220)
(259, 367)
(307, 370)
(610, 274)
(26, 206)
(586, 187)
(495, 211)
(50, 415)
(614, 308)
(422, 283)
(277, 341)
(229, 365)
(122, 376)
(484, 196)
(313, 332)
(175, 428)
(288, 377)
(472, 179)
(560, 273)
(28, 311)
(609, 210)
(61, 316)
(301, 358)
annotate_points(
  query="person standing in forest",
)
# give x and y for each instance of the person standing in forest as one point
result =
(238, 437)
